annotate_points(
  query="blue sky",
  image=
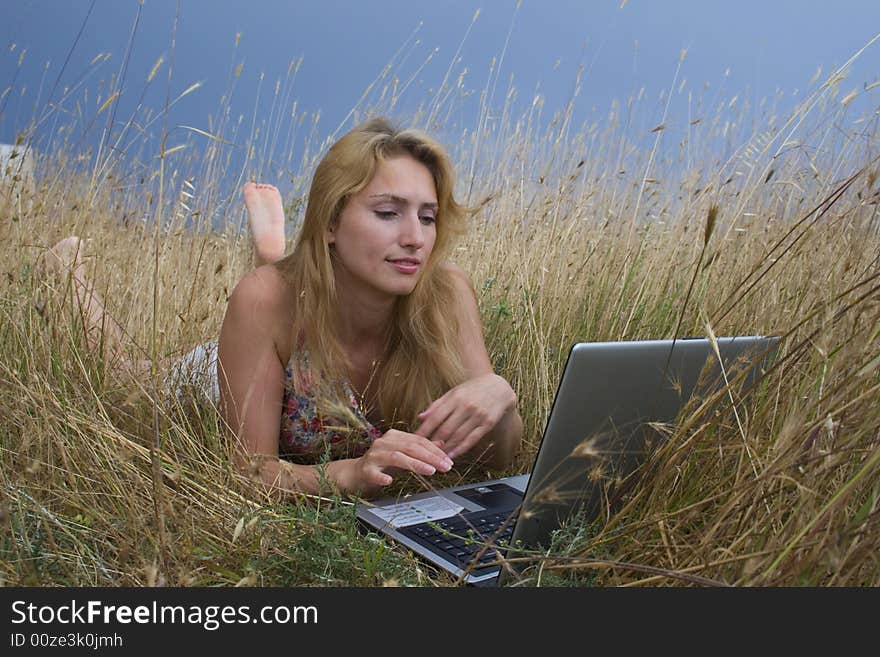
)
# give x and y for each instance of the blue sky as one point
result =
(748, 49)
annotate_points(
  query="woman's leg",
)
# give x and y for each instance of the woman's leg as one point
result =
(104, 335)
(63, 266)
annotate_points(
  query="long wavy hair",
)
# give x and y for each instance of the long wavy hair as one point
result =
(420, 359)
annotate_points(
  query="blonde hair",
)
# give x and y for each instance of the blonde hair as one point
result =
(420, 360)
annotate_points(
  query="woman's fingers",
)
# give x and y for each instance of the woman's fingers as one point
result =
(405, 462)
(461, 429)
(456, 427)
(397, 450)
(420, 459)
(466, 435)
(469, 441)
(420, 448)
(434, 417)
(379, 478)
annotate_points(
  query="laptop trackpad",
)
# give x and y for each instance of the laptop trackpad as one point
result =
(495, 496)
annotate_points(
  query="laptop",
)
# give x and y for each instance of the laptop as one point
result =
(603, 420)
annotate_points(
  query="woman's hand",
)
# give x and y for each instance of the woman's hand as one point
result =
(393, 452)
(461, 417)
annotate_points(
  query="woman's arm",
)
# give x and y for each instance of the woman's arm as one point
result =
(251, 378)
(478, 417)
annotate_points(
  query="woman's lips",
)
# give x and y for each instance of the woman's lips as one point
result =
(404, 266)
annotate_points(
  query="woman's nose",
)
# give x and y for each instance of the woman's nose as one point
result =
(412, 232)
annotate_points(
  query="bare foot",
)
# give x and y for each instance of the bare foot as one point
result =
(103, 333)
(265, 214)
(66, 257)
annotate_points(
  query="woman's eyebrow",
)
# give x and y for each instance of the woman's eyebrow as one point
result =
(400, 200)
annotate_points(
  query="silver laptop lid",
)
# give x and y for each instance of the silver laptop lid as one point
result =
(598, 430)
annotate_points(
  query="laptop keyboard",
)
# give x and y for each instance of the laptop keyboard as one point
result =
(460, 538)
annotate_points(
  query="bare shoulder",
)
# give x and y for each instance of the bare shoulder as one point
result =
(263, 290)
(458, 276)
(471, 343)
(261, 299)
(465, 294)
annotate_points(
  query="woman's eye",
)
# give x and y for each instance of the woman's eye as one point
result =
(428, 219)
(385, 214)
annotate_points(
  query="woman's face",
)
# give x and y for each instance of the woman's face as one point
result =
(385, 233)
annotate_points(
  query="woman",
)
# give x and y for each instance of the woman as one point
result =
(364, 343)
(365, 319)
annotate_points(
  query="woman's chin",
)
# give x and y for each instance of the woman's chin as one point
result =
(402, 288)
(403, 291)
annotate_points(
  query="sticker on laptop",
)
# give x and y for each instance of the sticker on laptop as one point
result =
(415, 511)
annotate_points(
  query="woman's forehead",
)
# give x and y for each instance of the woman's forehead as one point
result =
(402, 179)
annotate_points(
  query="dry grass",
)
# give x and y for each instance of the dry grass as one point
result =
(589, 233)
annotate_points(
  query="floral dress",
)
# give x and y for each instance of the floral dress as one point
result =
(306, 434)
